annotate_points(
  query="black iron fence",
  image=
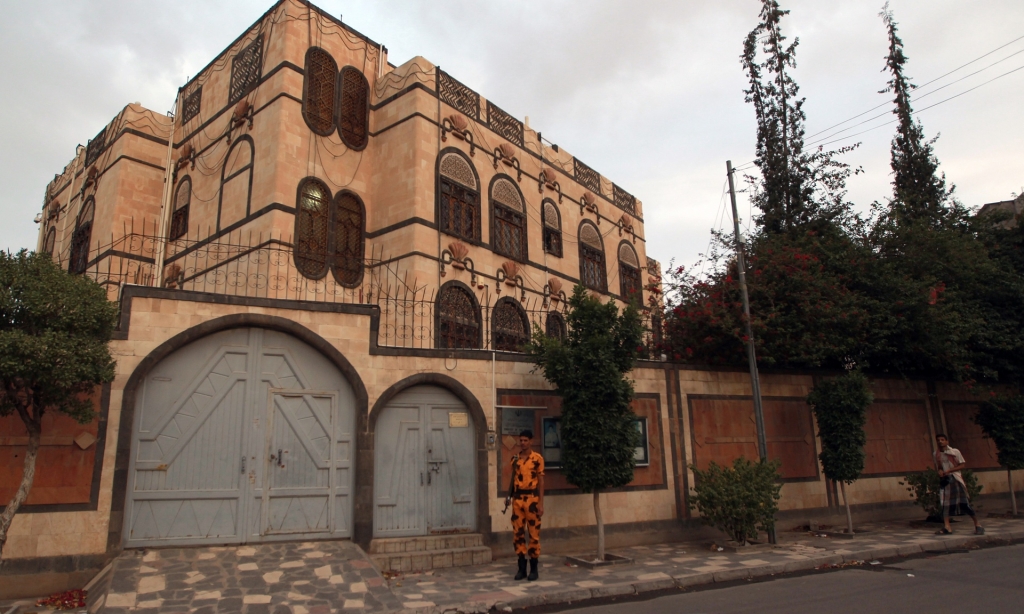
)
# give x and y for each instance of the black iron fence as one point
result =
(412, 315)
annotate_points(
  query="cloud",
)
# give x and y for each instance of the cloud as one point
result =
(648, 93)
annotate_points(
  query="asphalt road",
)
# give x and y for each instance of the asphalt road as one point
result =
(987, 581)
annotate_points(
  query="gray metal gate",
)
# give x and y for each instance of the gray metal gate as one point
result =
(425, 468)
(242, 436)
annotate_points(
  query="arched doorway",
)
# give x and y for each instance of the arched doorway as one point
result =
(244, 435)
(425, 473)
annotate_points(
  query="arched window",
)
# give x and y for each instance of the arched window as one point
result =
(510, 328)
(592, 269)
(629, 274)
(353, 107)
(458, 318)
(508, 219)
(311, 223)
(236, 182)
(552, 229)
(458, 197)
(347, 264)
(50, 241)
(318, 91)
(179, 219)
(82, 237)
(554, 326)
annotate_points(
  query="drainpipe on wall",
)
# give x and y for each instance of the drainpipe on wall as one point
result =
(165, 208)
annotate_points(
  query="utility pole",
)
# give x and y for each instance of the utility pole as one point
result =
(755, 383)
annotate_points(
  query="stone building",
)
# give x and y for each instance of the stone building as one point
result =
(325, 266)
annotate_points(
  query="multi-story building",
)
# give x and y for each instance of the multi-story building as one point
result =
(326, 266)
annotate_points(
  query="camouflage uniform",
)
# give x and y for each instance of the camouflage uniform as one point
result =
(525, 522)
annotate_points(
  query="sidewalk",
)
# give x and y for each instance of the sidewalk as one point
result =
(675, 566)
(337, 576)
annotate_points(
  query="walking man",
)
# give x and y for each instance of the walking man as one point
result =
(527, 497)
(952, 489)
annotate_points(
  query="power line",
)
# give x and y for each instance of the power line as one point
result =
(849, 136)
(962, 66)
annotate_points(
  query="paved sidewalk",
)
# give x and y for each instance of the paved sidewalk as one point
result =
(284, 578)
(477, 589)
(328, 577)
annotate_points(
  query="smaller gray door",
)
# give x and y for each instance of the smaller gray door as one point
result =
(425, 469)
(300, 470)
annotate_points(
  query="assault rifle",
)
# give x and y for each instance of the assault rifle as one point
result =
(511, 484)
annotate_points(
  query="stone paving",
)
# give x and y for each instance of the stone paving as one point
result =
(282, 578)
(329, 577)
(673, 566)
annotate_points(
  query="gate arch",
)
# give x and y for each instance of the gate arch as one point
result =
(282, 364)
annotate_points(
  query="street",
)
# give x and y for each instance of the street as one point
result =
(986, 581)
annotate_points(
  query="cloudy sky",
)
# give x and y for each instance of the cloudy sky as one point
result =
(648, 92)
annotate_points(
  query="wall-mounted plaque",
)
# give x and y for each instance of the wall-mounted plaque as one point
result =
(458, 419)
(515, 420)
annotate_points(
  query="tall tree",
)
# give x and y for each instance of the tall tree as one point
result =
(919, 191)
(589, 370)
(54, 330)
(1002, 419)
(840, 408)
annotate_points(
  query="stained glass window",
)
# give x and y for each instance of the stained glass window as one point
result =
(311, 225)
(509, 221)
(459, 198)
(458, 319)
(552, 229)
(592, 268)
(318, 99)
(509, 326)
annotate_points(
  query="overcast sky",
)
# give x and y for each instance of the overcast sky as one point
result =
(647, 92)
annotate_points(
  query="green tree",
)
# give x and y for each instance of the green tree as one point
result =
(840, 407)
(1002, 419)
(54, 330)
(588, 369)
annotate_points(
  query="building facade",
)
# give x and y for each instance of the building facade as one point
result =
(326, 266)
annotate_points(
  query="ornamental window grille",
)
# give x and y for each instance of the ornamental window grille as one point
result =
(82, 238)
(354, 108)
(586, 176)
(554, 325)
(95, 147)
(623, 199)
(552, 229)
(318, 91)
(182, 200)
(458, 319)
(311, 228)
(509, 326)
(347, 264)
(509, 220)
(458, 198)
(246, 67)
(592, 268)
(50, 241)
(457, 95)
(631, 288)
(504, 124)
(190, 108)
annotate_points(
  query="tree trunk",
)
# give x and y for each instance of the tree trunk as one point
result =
(28, 475)
(600, 525)
(846, 502)
(1013, 496)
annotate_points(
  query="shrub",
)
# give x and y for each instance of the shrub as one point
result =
(924, 489)
(740, 500)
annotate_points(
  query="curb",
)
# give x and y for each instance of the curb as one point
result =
(689, 581)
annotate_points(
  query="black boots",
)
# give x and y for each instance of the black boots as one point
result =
(533, 570)
(522, 568)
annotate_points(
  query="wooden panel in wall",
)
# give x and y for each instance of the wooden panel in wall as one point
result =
(979, 451)
(724, 429)
(898, 438)
(651, 476)
(64, 471)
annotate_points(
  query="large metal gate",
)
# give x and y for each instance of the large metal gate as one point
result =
(425, 472)
(242, 436)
